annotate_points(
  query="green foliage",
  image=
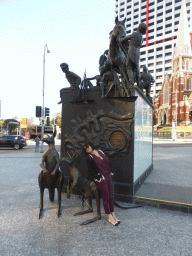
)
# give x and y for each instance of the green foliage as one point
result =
(178, 129)
(179, 120)
(1, 121)
(58, 119)
(154, 119)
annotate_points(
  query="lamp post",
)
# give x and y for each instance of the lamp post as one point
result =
(43, 110)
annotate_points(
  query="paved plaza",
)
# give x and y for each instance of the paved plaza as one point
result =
(145, 231)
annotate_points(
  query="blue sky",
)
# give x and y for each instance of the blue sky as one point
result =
(75, 31)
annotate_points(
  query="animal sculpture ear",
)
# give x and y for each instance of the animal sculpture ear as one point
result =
(116, 19)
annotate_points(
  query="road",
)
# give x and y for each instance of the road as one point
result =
(144, 231)
(28, 149)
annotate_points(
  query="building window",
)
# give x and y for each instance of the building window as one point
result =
(173, 85)
(187, 49)
(184, 85)
(166, 93)
(175, 66)
(187, 65)
(159, 119)
(189, 84)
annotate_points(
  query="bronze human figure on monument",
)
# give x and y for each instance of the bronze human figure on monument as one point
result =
(71, 77)
(109, 78)
(103, 58)
(146, 80)
(133, 56)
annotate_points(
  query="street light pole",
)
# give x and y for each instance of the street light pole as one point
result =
(43, 110)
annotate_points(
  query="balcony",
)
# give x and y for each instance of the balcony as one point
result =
(168, 8)
(136, 19)
(150, 61)
(151, 41)
(159, 4)
(168, 65)
(177, 4)
(151, 27)
(168, 50)
(178, 11)
(159, 66)
(150, 54)
(176, 19)
(159, 80)
(159, 73)
(159, 31)
(167, 15)
(129, 16)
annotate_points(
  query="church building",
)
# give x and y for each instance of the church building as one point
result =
(173, 103)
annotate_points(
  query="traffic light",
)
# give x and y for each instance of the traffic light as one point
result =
(38, 111)
(47, 111)
(48, 121)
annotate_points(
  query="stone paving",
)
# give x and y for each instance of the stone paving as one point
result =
(143, 231)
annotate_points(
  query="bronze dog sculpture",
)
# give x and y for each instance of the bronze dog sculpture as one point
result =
(50, 177)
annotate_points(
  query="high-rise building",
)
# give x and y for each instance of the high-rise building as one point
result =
(162, 19)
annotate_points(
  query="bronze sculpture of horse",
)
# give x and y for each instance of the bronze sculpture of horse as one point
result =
(117, 54)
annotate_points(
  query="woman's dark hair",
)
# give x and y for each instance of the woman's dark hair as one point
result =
(86, 145)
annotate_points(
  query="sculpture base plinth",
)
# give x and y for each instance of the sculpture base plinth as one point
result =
(120, 126)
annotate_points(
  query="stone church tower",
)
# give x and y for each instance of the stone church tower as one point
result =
(174, 101)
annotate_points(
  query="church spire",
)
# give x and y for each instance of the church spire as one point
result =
(183, 44)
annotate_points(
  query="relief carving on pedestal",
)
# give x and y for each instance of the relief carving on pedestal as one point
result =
(109, 131)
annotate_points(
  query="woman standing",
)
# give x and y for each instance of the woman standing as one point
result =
(100, 171)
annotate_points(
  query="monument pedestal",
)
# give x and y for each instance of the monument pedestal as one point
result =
(121, 127)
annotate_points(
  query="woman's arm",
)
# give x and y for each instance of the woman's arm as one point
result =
(93, 171)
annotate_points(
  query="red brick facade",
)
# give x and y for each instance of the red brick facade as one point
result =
(174, 101)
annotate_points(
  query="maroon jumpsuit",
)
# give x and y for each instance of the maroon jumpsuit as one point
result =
(106, 184)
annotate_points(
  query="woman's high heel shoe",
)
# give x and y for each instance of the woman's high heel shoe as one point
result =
(114, 224)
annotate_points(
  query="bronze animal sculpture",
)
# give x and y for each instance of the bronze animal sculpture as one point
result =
(50, 177)
(88, 190)
(117, 54)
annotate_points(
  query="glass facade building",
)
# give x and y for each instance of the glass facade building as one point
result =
(162, 19)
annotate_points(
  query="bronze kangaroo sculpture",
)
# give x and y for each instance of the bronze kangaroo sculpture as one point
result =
(88, 190)
(50, 177)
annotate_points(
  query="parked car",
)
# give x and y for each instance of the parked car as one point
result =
(15, 141)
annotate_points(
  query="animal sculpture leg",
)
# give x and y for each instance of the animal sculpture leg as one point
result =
(70, 187)
(58, 201)
(41, 202)
(41, 186)
(90, 209)
(51, 193)
(61, 181)
(95, 191)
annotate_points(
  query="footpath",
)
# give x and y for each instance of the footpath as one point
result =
(170, 183)
(144, 231)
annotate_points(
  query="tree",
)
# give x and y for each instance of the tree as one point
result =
(154, 119)
(57, 118)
